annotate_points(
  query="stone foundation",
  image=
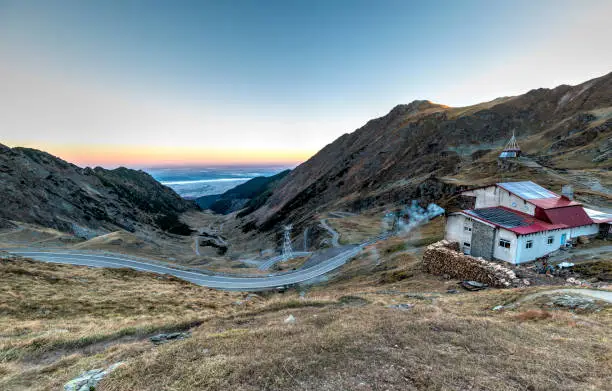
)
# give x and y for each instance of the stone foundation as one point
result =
(443, 257)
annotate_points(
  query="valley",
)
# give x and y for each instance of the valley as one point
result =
(312, 278)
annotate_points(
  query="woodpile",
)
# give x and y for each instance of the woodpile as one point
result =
(443, 257)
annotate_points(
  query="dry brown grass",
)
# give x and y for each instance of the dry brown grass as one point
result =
(31, 235)
(441, 344)
(291, 264)
(60, 320)
(358, 228)
(55, 320)
(533, 315)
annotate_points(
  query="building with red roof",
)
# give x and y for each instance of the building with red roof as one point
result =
(519, 222)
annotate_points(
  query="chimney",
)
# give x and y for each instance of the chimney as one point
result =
(567, 192)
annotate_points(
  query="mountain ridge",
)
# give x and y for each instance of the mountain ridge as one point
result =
(247, 195)
(43, 189)
(422, 140)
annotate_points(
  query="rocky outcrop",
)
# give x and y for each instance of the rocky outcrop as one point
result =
(42, 189)
(88, 381)
(169, 337)
(443, 257)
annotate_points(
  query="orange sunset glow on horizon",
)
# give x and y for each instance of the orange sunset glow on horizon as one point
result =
(110, 156)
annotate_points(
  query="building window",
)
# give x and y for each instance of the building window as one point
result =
(466, 244)
(466, 228)
(504, 243)
(529, 244)
(550, 240)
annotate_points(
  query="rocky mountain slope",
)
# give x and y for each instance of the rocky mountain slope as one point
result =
(250, 195)
(42, 189)
(405, 154)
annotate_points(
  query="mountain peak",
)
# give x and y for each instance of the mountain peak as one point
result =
(416, 107)
(419, 104)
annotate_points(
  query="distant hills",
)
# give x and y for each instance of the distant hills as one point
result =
(248, 196)
(39, 188)
(424, 150)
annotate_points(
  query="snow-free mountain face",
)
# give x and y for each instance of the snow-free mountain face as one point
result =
(42, 189)
(424, 150)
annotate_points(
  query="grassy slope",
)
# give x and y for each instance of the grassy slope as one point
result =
(450, 343)
(60, 320)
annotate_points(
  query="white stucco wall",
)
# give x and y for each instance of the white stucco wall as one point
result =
(540, 244)
(496, 196)
(502, 253)
(585, 230)
(517, 253)
(455, 230)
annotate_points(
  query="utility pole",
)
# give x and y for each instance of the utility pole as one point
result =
(287, 250)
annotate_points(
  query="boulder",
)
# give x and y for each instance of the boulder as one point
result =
(402, 306)
(163, 338)
(88, 380)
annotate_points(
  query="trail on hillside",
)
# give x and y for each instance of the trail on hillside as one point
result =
(335, 235)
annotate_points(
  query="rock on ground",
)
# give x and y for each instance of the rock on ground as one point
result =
(89, 380)
(163, 338)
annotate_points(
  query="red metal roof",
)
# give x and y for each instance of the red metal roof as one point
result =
(554, 202)
(572, 216)
(529, 224)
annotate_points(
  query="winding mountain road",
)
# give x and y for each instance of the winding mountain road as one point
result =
(335, 236)
(211, 281)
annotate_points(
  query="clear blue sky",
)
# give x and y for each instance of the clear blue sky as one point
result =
(279, 77)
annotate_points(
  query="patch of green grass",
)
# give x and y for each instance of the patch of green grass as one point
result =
(599, 269)
(395, 248)
(395, 276)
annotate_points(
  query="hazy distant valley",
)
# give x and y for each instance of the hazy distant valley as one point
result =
(194, 182)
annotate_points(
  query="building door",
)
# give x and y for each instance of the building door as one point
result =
(563, 237)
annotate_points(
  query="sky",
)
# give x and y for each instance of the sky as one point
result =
(163, 83)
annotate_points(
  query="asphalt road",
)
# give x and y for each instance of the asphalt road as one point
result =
(211, 281)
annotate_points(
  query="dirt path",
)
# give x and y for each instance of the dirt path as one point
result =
(584, 253)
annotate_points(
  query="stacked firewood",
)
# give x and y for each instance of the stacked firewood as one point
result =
(443, 257)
